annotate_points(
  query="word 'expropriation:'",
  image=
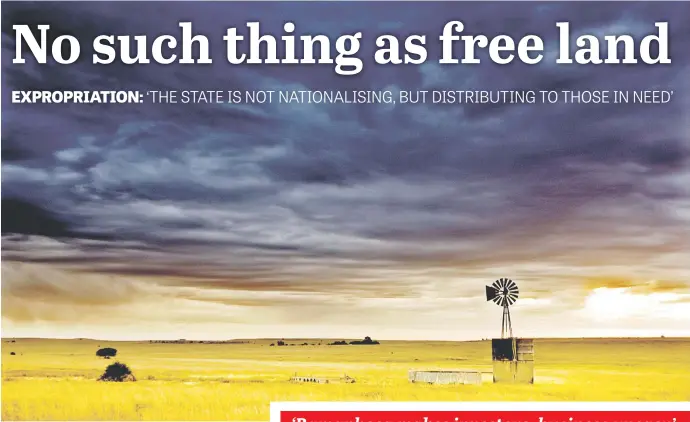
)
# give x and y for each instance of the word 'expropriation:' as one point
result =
(77, 97)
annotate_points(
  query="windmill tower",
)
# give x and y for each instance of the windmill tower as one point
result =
(513, 358)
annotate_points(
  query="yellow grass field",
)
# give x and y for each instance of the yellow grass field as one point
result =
(56, 379)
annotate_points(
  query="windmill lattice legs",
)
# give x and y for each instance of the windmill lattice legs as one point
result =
(506, 324)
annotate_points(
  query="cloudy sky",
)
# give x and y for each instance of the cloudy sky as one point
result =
(233, 221)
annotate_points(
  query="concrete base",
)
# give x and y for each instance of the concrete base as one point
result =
(514, 372)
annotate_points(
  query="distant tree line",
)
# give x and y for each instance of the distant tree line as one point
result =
(282, 343)
(367, 341)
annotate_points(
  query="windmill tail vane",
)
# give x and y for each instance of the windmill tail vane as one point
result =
(503, 292)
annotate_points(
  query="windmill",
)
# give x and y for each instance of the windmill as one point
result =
(503, 292)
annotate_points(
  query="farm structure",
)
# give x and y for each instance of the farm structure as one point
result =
(513, 358)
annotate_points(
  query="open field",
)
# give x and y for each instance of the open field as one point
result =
(56, 379)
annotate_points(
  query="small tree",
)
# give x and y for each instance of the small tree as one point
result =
(106, 352)
(117, 372)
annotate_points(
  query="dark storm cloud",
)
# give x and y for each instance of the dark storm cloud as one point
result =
(13, 152)
(21, 217)
(271, 197)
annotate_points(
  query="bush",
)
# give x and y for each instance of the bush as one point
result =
(367, 340)
(106, 352)
(117, 372)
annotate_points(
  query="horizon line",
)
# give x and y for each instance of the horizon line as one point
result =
(342, 338)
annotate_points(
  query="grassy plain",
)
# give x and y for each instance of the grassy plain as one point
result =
(56, 379)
